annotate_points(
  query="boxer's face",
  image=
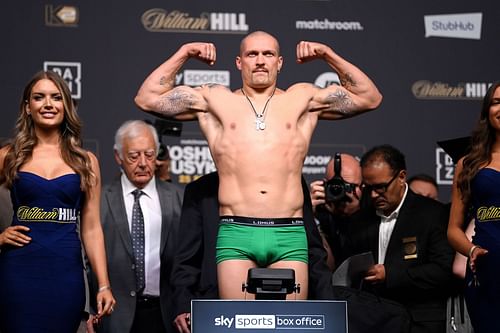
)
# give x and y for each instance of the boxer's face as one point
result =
(259, 61)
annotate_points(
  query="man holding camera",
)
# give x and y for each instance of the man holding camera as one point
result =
(335, 200)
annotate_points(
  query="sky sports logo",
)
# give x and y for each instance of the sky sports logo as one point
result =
(195, 78)
(272, 322)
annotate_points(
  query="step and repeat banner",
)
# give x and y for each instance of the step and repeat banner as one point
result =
(432, 61)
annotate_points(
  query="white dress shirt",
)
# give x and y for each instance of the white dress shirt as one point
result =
(386, 227)
(151, 210)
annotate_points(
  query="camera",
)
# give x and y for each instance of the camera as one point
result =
(163, 154)
(165, 127)
(336, 188)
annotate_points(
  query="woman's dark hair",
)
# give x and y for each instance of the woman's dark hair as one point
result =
(482, 140)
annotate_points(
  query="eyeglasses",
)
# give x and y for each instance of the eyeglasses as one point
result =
(133, 156)
(380, 188)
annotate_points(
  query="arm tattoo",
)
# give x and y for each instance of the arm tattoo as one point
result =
(176, 102)
(347, 81)
(340, 102)
(163, 81)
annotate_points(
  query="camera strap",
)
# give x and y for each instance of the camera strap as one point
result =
(337, 164)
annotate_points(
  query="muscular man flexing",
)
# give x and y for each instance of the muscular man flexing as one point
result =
(258, 136)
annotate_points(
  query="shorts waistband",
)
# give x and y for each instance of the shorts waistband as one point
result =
(263, 221)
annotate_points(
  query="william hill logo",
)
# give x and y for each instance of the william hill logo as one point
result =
(161, 20)
(37, 214)
(485, 214)
(424, 89)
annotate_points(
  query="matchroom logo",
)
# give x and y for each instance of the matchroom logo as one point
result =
(71, 72)
(326, 24)
(161, 20)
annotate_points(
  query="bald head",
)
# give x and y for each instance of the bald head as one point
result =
(258, 34)
(350, 169)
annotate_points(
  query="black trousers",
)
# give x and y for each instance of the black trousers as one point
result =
(148, 316)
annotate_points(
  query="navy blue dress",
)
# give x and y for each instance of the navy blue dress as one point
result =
(41, 284)
(483, 301)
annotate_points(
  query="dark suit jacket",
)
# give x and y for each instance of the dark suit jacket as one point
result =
(418, 262)
(120, 254)
(195, 272)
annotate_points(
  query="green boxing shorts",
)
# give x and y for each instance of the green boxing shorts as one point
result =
(262, 240)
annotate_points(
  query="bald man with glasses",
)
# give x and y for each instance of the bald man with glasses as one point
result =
(407, 235)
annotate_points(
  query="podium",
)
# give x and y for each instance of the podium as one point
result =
(254, 316)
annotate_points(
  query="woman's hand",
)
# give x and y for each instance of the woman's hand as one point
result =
(14, 235)
(105, 303)
(475, 253)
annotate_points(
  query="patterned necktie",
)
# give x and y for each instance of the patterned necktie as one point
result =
(138, 240)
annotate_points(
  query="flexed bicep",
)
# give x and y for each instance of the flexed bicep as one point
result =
(158, 93)
(357, 93)
(182, 103)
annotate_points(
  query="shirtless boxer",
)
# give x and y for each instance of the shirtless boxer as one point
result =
(258, 136)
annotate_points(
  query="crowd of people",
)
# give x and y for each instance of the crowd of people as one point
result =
(130, 256)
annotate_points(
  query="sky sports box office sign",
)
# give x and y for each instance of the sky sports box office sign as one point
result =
(225, 316)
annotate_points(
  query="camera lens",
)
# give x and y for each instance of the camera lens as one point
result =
(335, 190)
(162, 153)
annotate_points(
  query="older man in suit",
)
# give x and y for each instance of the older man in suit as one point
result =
(140, 217)
(406, 233)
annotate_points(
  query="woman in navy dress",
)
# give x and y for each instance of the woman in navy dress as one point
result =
(476, 192)
(55, 185)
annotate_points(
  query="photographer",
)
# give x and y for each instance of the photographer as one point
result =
(335, 200)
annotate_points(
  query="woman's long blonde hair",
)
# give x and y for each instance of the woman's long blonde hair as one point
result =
(25, 139)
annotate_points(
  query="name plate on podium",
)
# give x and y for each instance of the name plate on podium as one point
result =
(227, 316)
